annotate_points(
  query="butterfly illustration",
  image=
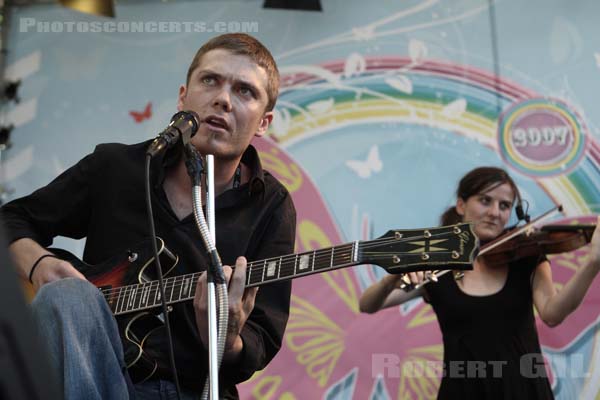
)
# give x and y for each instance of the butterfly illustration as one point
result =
(140, 116)
(455, 109)
(364, 168)
(321, 107)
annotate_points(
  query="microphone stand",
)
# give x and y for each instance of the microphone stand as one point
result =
(214, 359)
(217, 330)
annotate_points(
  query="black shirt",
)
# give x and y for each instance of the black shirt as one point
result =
(102, 198)
(491, 346)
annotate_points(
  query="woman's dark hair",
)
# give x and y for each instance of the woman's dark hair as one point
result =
(476, 181)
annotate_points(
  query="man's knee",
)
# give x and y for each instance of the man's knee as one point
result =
(66, 292)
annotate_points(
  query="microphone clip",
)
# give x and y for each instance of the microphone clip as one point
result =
(183, 126)
(194, 164)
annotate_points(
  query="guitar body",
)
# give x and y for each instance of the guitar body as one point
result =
(136, 266)
(135, 331)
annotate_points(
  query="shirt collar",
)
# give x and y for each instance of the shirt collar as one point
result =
(256, 184)
(250, 158)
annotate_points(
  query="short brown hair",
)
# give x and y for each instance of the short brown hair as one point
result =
(246, 45)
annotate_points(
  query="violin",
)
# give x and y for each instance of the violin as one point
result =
(550, 239)
(523, 242)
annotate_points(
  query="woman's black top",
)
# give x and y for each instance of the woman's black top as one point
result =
(491, 346)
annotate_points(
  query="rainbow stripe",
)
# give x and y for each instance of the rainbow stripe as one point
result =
(317, 100)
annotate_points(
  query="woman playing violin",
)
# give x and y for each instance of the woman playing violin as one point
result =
(491, 346)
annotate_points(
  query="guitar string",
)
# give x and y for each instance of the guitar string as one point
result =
(148, 290)
(325, 254)
(136, 302)
(152, 289)
(317, 255)
(177, 284)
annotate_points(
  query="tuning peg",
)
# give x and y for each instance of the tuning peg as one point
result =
(433, 277)
(458, 275)
(406, 279)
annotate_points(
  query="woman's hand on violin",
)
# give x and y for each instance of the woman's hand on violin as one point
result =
(408, 280)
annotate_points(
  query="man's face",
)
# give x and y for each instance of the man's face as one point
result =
(490, 210)
(228, 91)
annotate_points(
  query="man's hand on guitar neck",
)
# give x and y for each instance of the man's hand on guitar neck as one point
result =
(26, 252)
(241, 303)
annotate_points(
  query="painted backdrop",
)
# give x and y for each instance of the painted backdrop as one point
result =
(383, 108)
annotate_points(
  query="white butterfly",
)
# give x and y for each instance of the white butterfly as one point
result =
(321, 107)
(400, 83)
(355, 65)
(281, 122)
(455, 109)
(417, 51)
(364, 168)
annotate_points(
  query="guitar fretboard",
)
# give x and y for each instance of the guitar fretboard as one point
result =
(395, 251)
(133, 298)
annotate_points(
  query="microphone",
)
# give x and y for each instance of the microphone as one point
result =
(183, 126)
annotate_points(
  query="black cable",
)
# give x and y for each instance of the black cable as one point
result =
(160, 277)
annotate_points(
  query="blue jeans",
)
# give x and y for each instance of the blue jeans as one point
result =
(163, 390)
(85, 349)
(83, 340)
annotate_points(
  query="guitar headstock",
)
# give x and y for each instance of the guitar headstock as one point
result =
(402, 251)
